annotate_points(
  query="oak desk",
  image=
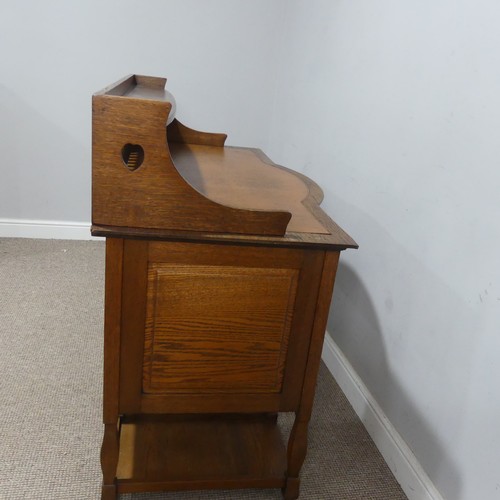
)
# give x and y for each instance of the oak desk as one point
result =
(220, 268)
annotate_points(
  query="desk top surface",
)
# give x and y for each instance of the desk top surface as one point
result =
(242, 178)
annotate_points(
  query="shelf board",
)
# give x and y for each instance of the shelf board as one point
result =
(200, 452)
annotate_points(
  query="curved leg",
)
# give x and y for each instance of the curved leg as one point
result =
(109, 461)
(292, 489)
(297, 449)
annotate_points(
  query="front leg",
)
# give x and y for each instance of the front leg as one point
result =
(109, 461)
(297, 449)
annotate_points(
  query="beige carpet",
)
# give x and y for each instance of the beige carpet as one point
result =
(51, 314)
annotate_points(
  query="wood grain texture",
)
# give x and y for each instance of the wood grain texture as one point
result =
(179, 133)
(303, 319)
(217, 328)
(297, 443)
(218, 190)
(112, 329)
(155, 195)
(318, 334)
(224, 255)
(216, 402)
(303, 268)
(220, 268)
(231, 451)
(237, 177)
(336, 240)
(109, 460)
(134, 285)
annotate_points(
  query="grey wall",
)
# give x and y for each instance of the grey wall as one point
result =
(394, 109)
(56, 53)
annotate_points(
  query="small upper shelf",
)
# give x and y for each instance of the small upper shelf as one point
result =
(154, 178)
(140, 87)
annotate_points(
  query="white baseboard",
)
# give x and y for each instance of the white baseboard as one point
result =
(400, 459)
(45, 229)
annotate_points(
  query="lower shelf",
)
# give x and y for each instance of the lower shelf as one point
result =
(200, 452)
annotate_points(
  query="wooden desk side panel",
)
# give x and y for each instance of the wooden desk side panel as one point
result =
(133, 320)
(190, 367)
(217, 328)
(112, 328)
(297, 444)
(303, 319)
(321, 313)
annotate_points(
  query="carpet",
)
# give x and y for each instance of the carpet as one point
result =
(51, 319)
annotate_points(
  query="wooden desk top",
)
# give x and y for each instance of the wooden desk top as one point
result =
(241, 178)
(153, 177)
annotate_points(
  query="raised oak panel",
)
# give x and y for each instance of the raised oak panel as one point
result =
(217, 328)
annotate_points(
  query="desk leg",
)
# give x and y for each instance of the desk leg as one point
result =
(297, 449)
(297, 444)
(109, 461)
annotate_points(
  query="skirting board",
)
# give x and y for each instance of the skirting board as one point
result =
(45, 229)
(400, 459)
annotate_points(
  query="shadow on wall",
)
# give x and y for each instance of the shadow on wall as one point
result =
(358, 311)
(355, 326)
(45, 169)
